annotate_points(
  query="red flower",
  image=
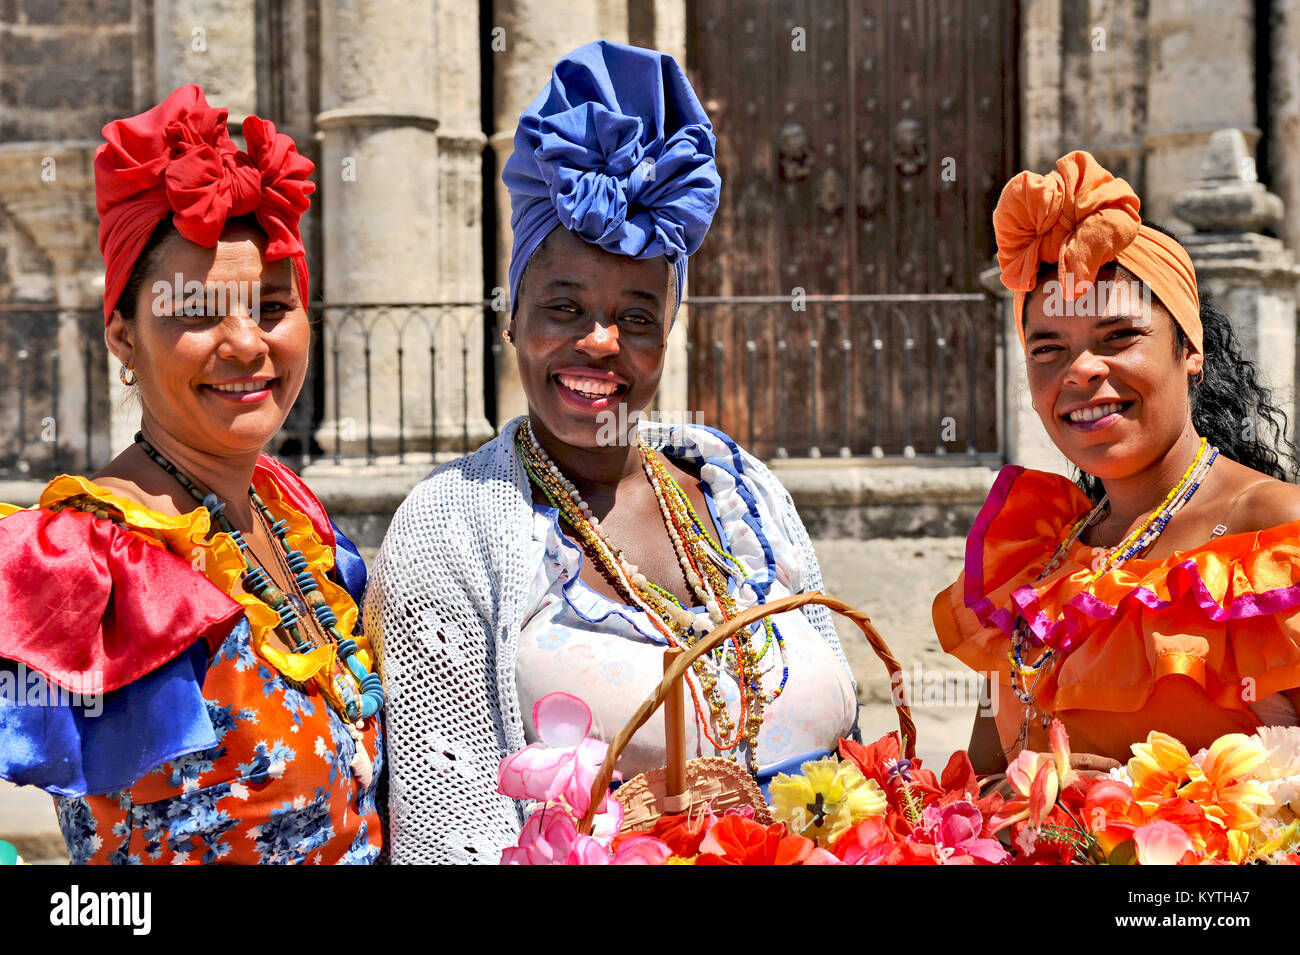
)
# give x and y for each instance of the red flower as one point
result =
(683, 834)
(739, 841)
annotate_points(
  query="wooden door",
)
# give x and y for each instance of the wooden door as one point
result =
(862, 145)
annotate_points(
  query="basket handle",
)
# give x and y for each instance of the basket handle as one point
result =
(675, 672)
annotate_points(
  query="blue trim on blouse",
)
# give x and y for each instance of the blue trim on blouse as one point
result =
(74, 749)
(349, 567)
(735, 468)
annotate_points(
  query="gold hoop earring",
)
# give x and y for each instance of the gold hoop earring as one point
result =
(123, 372)
(1196, 382)
(505, 334)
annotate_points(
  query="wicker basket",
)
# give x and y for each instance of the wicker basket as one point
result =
(687, 785)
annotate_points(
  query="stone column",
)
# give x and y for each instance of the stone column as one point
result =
(461, 144)
(1201, 79)
(527, 37)
(381, 193)
(212, 43)
(1285, 104)
(1024, 440)
(1041, 58)
(1251, 276)
(48, 189)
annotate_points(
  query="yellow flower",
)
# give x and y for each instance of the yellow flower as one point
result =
(826, 801)
(680, 860)
(1159, 767)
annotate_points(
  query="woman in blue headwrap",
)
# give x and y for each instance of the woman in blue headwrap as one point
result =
(569, 552)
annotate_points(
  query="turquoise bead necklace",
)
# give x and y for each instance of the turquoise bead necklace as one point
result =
(360, 702)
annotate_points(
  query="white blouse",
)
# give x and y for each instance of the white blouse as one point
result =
(611, 656)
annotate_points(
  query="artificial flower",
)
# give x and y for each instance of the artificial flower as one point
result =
(1221, 781)
(547, 838)
(1162, 843)
(1279, 773)
(739, 841)
(564, 762)
(1111, 814)
(1159, 767)
(954, 829)
(826, 800)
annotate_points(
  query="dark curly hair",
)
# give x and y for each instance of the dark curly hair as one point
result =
(1231, 408)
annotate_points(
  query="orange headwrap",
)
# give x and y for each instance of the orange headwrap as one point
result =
(1081, 217)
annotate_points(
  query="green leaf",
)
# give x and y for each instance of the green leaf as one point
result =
(1123, 854)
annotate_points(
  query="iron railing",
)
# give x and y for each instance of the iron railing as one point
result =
(384, 381)
(866, 375)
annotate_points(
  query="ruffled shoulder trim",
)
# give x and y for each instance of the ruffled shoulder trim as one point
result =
(217, 557)
(85, 595)
(1029, 513)
(1217, 613)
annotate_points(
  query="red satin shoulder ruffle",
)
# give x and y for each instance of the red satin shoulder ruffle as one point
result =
(85, 596)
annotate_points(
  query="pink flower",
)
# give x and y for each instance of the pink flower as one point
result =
(820, 856)
(955, 829)
(1162, 843)
(548, 838)
(563, 763)
(642, 850)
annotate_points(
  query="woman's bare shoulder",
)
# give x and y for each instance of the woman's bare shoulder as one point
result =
(136, 480)
(1264, 502)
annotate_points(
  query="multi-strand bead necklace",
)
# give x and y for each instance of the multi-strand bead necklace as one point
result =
(360, 692)
(1025, 676)
(708, 570)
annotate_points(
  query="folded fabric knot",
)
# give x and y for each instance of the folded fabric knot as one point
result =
(1081, 217)
(178, 159)
(617, 150)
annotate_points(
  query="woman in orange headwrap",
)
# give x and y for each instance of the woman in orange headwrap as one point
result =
(1162, 591)
(181, 623)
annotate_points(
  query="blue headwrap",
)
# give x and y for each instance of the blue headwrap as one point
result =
(618, 150)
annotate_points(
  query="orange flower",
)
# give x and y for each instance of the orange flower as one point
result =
(1159, 767)
(736, 840)
(1111, 813)
(1220, 786)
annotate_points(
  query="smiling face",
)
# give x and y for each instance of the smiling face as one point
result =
(218, 369)
(1111, 388)
(590, 334)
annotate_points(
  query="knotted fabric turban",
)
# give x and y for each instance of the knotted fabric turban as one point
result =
(618, 150)
(178, 159)
(1082, 217)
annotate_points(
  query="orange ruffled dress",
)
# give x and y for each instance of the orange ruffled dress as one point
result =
(1182, 645)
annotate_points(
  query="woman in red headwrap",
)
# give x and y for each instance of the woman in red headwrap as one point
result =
(181, 622)
(1162, 590)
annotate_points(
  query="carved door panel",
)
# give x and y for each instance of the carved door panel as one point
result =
(861, 144)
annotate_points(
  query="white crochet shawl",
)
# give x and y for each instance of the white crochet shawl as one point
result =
(445, 605)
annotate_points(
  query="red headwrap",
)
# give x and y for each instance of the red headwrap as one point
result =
(177, 159)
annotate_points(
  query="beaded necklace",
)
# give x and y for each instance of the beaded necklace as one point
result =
(707, 568)
(360, 693)
(1025, 676)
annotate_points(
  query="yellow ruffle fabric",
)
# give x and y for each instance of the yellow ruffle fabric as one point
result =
(218, 558)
